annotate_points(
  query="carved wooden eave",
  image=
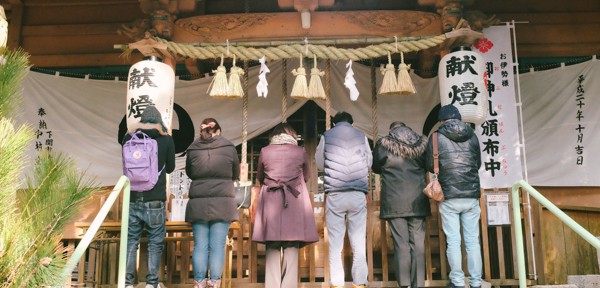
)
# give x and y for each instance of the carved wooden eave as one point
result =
(274, 27)
(287, 26)
(151, 47)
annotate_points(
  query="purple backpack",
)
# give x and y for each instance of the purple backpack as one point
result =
(140, 161)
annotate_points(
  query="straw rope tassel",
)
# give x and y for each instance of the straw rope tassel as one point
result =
(315, 87)
(235, 84)
(219, 87)
(389, 85)
(300, 88)
(405, 85)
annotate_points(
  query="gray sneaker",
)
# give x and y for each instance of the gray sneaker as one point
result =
(129, 286)
(201, 284)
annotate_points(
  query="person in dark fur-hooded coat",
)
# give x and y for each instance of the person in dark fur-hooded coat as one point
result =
(399, 158)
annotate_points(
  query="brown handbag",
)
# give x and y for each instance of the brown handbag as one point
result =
(434, 189)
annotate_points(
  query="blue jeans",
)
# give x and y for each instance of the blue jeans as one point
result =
(352, 207)
(151, 214)
(209, 237)
(465, 212)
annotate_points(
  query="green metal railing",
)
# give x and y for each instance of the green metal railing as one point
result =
(552, 208)
(122, 185)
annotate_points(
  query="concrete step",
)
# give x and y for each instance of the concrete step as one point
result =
(584, 281)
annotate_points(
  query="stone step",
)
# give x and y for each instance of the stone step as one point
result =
(584, 281)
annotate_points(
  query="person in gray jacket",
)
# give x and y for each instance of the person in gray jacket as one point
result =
(345, 156)
(400, 159)
(459, 162)
(213, 165)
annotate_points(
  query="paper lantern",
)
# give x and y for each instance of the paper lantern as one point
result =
(462, 84)
(150, 82)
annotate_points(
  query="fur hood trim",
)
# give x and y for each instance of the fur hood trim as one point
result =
(404, 142)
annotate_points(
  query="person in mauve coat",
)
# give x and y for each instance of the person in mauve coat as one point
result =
(400, 159)
(284, 218)
(212, 164)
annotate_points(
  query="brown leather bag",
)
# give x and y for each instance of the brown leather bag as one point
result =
(434, 189)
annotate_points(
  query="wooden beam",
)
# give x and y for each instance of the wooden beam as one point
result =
(287, 26)
(517, 6)
(72, 29)
(558, 50)
(556, 18)
(86, 14)
(558, 34)
(83, 60)
(77, 2)
(71, 45)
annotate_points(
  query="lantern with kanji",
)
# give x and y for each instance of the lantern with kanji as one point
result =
(462, 84)
(150, 83)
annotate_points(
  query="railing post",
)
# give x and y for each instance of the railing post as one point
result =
(586, 235)
(519, 235)
(122, 184)
(123, 241)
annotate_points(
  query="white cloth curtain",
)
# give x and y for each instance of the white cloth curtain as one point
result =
(82, 116)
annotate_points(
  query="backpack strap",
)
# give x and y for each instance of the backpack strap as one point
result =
(436, 154)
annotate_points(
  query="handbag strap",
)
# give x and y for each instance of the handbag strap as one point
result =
(436, 154)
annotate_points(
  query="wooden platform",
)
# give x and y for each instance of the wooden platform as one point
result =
(245, 265)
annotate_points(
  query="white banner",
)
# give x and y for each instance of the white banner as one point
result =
(84, 118)
(562, 125)
(499, 134)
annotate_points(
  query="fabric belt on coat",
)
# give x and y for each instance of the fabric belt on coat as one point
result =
(288, 186)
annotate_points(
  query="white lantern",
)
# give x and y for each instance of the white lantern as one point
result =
(150, 82)
(463, 84)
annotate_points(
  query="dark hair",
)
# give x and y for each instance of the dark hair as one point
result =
(152, 115)
(283, 128)
(342, 117)
(208, 126)
(396, 124)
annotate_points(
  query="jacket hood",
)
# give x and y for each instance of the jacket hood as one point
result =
(404, 142)
(456, 130)
(216, 141)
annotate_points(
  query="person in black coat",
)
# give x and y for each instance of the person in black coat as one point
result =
(147, 208)
(459, 162)
(213, 165)
(399, 158)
